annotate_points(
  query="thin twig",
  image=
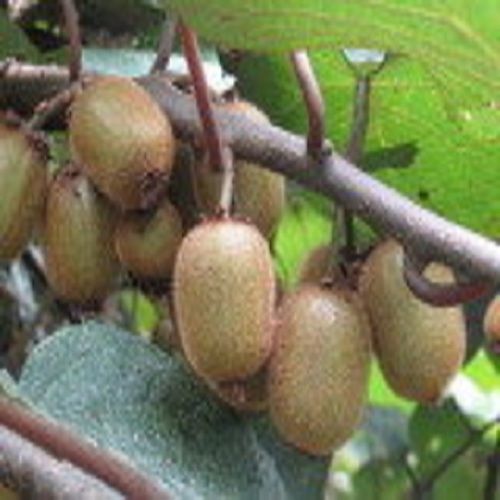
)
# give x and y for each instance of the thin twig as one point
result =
(439, 294)
(64, 445)
(33, 473)
(354, 153)
(53, 108)
(71, 22)
(226, 192)
(165, 46)
(211, 131)
(315, 104)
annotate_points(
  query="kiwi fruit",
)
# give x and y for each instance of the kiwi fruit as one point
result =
(491, 325)
(258, 194)
(23, 188)
(316, 265)
(80, 260)
(420, 347)
(181, 189)
(123, 141)
(146, 243)
(224, 295)
(319, 368)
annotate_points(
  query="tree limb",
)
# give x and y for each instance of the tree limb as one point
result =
(66, 446)
(429, 236)
(36, 474)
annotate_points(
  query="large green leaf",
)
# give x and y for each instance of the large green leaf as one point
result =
(412, 144)
(457, 40)
(13, 42)
(129, 396)
(435, 432)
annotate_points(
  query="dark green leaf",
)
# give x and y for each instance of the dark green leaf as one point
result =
(129, 396)
(435, 432)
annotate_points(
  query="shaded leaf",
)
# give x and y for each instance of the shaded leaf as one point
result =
(13, 42)
(129, 396)
(435, 432)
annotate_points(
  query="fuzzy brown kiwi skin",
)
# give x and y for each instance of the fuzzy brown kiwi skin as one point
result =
(259, 194)
(246, 396)
(420, 348)
(316, 265)
(81, 263)
(491, 326)
(123, 140)
(23, 188)
(319, 368)
(224, 295)
(146, 243)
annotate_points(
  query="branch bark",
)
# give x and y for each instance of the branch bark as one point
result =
(430, 236)
(36, 474)
(66, 446)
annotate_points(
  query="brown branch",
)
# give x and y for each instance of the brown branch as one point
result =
(210, 127)
(165, 46)
(35, 474)
(391, 213)
(439, 294)
(64, 445)
(314, 102)
(71, 22)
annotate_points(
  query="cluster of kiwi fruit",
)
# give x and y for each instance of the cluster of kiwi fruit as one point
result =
(132, 198)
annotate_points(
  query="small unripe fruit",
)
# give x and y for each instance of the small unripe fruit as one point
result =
(23, 187)
(79, 253)
(491, 325)
(316, 265)
(258, 193)
(319, 368)
(420, 347)
(224, 293)
(123, 141)
(147, 243)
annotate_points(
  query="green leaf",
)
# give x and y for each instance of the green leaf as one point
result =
(412, 144)
(142, 311)
(435, 432)
(13, 42)
(305, 225)
(463, 480)
(378, 480)
(482, 370)
(129, 396)
(381, 394)
(457, 42)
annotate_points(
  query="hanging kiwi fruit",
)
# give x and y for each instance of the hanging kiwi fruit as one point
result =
(80, 258)
(23, 187)
(491, 325)
(123, 141)
(420, 347)
(259, 194)
(147, 242)
(224, 295)
(318, 371)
